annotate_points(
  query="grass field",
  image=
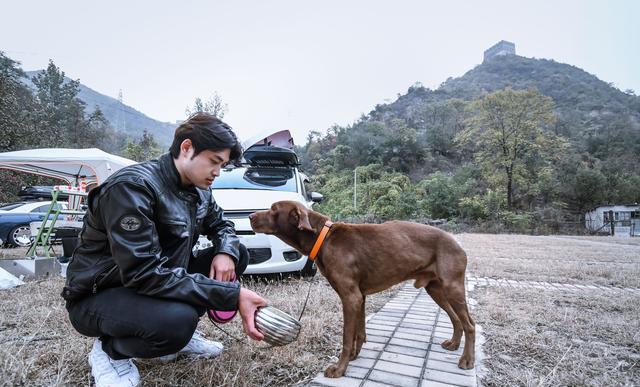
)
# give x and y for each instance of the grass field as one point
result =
(533, 337)
(553, 337)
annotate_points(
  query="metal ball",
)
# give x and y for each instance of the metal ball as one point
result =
(277, 327)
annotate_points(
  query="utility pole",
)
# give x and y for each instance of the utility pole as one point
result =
(612, 224)
(121, 113)
(355, 188)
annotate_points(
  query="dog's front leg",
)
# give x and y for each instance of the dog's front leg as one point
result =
(351, 305)
(361, 332)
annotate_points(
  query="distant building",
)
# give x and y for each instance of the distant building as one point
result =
(622, 219)
(501, 48)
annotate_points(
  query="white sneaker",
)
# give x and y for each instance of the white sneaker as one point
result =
(198, 346)
(112, 373)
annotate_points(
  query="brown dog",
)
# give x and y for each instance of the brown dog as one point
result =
(358, 260)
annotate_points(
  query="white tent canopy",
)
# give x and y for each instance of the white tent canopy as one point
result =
(70, 165)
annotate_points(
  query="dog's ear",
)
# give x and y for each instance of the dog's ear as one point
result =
(302, 219)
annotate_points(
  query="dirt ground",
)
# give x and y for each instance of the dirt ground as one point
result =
(533, 337)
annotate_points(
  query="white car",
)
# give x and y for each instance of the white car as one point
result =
(39, 207)
(15, 220)
(269, 174)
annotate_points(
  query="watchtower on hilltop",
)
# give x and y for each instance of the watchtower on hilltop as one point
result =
(501, 48)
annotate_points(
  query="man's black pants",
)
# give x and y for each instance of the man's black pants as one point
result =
(133, 325)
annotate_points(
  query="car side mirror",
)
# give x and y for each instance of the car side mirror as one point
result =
(316, 197)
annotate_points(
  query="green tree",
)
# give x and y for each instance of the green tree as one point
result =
(437, 196)
(145, 148)
(365, 139)
(16, 106)
(512, 137)
(583, 183)
(439, 123)
(381, 194)
(59, 118)
(98, 133)
(400, 148)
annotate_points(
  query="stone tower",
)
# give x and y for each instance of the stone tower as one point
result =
(501, 48)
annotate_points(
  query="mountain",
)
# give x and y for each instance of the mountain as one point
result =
(122, 117)
(425, 154)
(599, 120)
(586, 106)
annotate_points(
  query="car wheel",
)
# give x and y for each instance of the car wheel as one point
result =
(20, 236)
(309, 269)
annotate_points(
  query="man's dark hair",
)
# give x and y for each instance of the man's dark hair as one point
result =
(206, 132)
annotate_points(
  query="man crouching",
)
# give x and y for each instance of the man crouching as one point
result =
(133, 281)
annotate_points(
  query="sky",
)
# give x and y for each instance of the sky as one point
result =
(303, 65)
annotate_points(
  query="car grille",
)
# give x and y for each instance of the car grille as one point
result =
(259, 255)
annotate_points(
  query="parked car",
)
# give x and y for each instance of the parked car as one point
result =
(270, 174)
(39, 192)
(15, 219)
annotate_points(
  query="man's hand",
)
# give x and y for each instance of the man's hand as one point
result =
(223, 268)
(248, 304)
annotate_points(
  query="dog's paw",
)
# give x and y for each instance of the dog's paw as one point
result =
(466, 363)
(333, 371)
(450, 345)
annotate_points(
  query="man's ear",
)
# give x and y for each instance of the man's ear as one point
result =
(185, 146)
(302, 218)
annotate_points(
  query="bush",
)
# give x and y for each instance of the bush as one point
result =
(472, 208)
(517, 222)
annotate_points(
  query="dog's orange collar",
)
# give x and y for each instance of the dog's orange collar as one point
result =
(320, 240)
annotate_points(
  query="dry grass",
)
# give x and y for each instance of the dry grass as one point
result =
(602, 261)
(547, 338)
(533, 337)
(38, 346)
(21, 252)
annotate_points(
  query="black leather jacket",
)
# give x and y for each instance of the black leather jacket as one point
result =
(139, 232)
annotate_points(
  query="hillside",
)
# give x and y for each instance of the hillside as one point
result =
(122, 117)
(441, 154)
(591, 112)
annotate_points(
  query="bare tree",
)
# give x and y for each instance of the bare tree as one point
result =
(214, 105)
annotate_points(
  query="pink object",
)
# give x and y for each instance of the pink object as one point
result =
(222, 317)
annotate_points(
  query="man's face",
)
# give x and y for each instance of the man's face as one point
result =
(202, 169)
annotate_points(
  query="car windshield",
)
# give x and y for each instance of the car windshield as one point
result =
(11, 206)
(272, 179)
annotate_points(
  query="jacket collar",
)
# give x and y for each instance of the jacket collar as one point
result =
(172, 177)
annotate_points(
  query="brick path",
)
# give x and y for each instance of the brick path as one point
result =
(403, 348)
(482, 281)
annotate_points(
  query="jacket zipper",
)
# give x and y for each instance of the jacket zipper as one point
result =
(101, 276)
(192, 227)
